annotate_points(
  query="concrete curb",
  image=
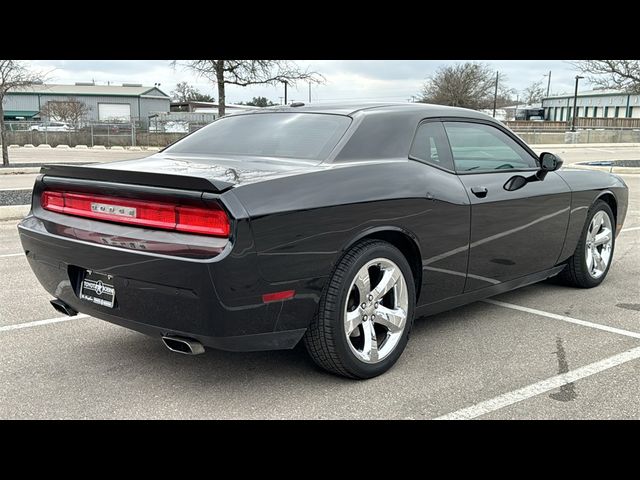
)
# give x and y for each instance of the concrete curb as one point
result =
(617, 170)
(14, 212)
(538, 146)
(85, 147)
(19, 170)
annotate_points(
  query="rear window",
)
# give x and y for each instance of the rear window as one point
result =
(293, 135)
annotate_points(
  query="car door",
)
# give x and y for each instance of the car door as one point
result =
(443, 231)
(513, 233)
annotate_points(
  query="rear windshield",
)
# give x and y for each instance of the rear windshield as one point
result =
(292, 135)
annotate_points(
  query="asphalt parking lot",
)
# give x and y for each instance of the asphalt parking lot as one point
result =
(544, 351)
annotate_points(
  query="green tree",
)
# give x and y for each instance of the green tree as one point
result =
(259, 102)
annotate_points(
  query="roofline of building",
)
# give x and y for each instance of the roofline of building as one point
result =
(136, 95)
(611, 94)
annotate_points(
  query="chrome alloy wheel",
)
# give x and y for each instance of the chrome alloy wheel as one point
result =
(599, 244)
(375, 311)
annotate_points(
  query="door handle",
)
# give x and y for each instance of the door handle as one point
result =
(480, 192)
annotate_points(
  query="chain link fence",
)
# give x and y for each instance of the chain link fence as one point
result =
(157, 130)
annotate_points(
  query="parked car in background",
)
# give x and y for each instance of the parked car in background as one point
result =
(51, 127)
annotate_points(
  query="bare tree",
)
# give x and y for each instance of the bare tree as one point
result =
(618, 74)
(249, 72)
(71, 111)
(13, 74)
(468, 85)
(534, 93)
(187, 93)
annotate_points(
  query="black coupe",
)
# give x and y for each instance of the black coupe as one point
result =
(335, 224)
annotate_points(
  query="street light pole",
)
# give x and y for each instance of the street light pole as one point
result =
(575, 105)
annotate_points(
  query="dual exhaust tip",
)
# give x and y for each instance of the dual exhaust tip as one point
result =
(63, 308)
(186, 346)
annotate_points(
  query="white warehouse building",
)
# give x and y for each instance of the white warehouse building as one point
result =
(121, 103)
(592, 104)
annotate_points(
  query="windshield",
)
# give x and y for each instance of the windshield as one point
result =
(292, 135)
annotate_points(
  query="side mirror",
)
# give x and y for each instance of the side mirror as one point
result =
(550, 162)
(514, 183)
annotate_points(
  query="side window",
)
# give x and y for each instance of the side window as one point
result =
(476, 146)
(430, 145)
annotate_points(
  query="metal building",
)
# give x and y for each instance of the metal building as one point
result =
(106, 103)
(593, 104)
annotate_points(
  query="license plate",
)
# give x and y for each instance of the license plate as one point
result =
(98, 288)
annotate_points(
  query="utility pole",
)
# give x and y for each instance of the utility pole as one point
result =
(548, 83)
(575, 105)
(309, 92)
(495, 95)
(285, 91)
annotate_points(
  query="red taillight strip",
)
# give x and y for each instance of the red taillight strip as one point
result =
(167, 216)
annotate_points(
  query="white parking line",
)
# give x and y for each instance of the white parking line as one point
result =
(12, 255)
(37, 323)
(509, 398)
(629, 229)
(601, 150)
(564, 318)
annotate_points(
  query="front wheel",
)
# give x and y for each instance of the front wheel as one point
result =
(365, 314)
(592, 259)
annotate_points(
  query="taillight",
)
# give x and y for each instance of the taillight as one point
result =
(201, 220)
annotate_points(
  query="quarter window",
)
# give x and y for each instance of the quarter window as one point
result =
(430, 145)
(480, 147)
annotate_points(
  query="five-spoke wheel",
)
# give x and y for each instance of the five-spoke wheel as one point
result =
(599, 244)
(366, 312)
(590, 263)
(375, 312)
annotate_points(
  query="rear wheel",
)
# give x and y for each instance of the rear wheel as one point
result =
(591, 261)
(365, 314)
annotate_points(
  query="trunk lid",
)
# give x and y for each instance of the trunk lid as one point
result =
(201, 173)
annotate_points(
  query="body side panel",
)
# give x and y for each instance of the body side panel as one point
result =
(302, 227)
(587, 186)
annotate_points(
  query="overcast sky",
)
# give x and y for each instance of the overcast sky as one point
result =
(366, 80)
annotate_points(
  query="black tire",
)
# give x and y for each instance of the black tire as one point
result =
(576, 273)
(325, 339)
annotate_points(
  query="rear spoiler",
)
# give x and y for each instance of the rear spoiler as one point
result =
(150, 179)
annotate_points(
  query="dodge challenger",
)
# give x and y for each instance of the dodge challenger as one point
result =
(335, 225)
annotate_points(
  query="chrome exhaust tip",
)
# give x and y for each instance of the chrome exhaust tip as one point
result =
(186, 346)
(62, 307)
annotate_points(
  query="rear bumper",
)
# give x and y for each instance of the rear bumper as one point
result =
(217, 301)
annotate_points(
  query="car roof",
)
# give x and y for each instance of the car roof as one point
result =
(421, 109)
